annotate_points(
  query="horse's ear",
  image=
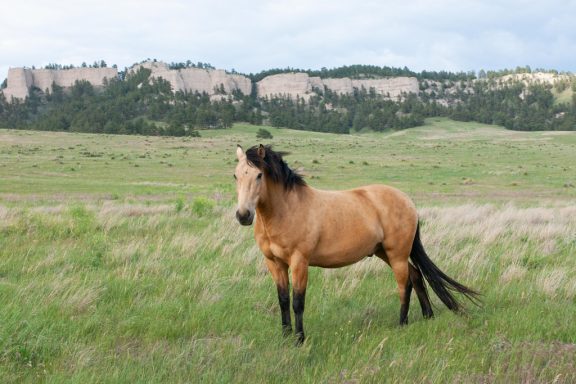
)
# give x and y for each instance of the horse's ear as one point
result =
(261, 151)
(240, 153)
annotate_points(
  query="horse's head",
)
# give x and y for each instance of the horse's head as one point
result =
(249, 184)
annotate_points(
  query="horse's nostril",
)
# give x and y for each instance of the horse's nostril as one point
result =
(244, 219)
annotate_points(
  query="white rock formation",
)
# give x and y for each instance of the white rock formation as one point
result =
(535, 77)
(198, 79)
(291, 85)
(302, 85)
(210, 81)
(20, 80)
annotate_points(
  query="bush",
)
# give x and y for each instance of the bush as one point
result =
(263, 134)
(179, 206)
(83, 220)
(202, 206)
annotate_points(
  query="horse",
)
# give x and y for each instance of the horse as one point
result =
(298, 226)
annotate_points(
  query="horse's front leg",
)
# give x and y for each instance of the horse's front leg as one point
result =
(299, 267)
(279, 271)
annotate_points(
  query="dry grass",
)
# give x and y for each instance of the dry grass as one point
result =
(513, 273)
(511, 239)
(112, 214)
(486, 223)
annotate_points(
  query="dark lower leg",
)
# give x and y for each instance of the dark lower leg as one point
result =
(298, 306)
(425, 304)
(421, 292)
(405, 306)
(284, 300)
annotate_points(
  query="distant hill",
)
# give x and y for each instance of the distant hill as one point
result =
(217, 82)
(179, 98)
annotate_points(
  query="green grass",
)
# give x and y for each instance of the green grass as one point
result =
(564, 97)
(121, 261)
(443, 158)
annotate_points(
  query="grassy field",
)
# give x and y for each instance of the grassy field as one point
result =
(121, 260)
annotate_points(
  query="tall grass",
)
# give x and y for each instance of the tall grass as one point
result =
(122, 292)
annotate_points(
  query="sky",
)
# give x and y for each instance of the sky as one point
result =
(251, 36)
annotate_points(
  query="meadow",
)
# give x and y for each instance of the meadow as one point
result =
(121, 260)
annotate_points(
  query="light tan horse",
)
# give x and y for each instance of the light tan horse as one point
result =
(298, 226)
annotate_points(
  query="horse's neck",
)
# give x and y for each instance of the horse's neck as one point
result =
(278, 202)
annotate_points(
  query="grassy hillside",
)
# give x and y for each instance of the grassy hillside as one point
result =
(121, 261)
(442, 157)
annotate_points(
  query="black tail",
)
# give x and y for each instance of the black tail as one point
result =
(438, 280)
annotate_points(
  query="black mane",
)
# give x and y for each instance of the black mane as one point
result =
(274, 167)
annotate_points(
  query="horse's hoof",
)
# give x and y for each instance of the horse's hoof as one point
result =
(286, 331)
(300, 339)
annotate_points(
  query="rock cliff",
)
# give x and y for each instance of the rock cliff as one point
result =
(289, 85)
(198, 79)
(211, 81)
(302, 85)
(20, 80)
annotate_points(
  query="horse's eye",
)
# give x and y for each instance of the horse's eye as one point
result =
(259, 176)
(235, 178)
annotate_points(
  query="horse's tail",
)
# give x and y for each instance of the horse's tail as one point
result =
(441, 283)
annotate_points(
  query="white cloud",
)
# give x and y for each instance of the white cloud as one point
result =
(256, 35)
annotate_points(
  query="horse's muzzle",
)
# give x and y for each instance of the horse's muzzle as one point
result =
(246, 218)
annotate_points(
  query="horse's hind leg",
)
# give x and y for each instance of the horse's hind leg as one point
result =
(418, 282)
(401, 271)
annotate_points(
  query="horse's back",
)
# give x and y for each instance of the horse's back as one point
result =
(352, 223)
(381, 199)
(388, 199)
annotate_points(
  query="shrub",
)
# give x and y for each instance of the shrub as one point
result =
(83, 220)
(263, 134)
(179, 205)
(202, 206)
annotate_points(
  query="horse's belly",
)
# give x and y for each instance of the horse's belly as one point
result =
(344, 252)
(335, 261)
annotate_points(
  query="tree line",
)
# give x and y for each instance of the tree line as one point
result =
(139, 104)
(360, 71)
(517, 106)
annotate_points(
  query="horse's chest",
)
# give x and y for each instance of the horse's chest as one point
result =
(280, 241)
(270, 248)
(280, 251)
(279, 248)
